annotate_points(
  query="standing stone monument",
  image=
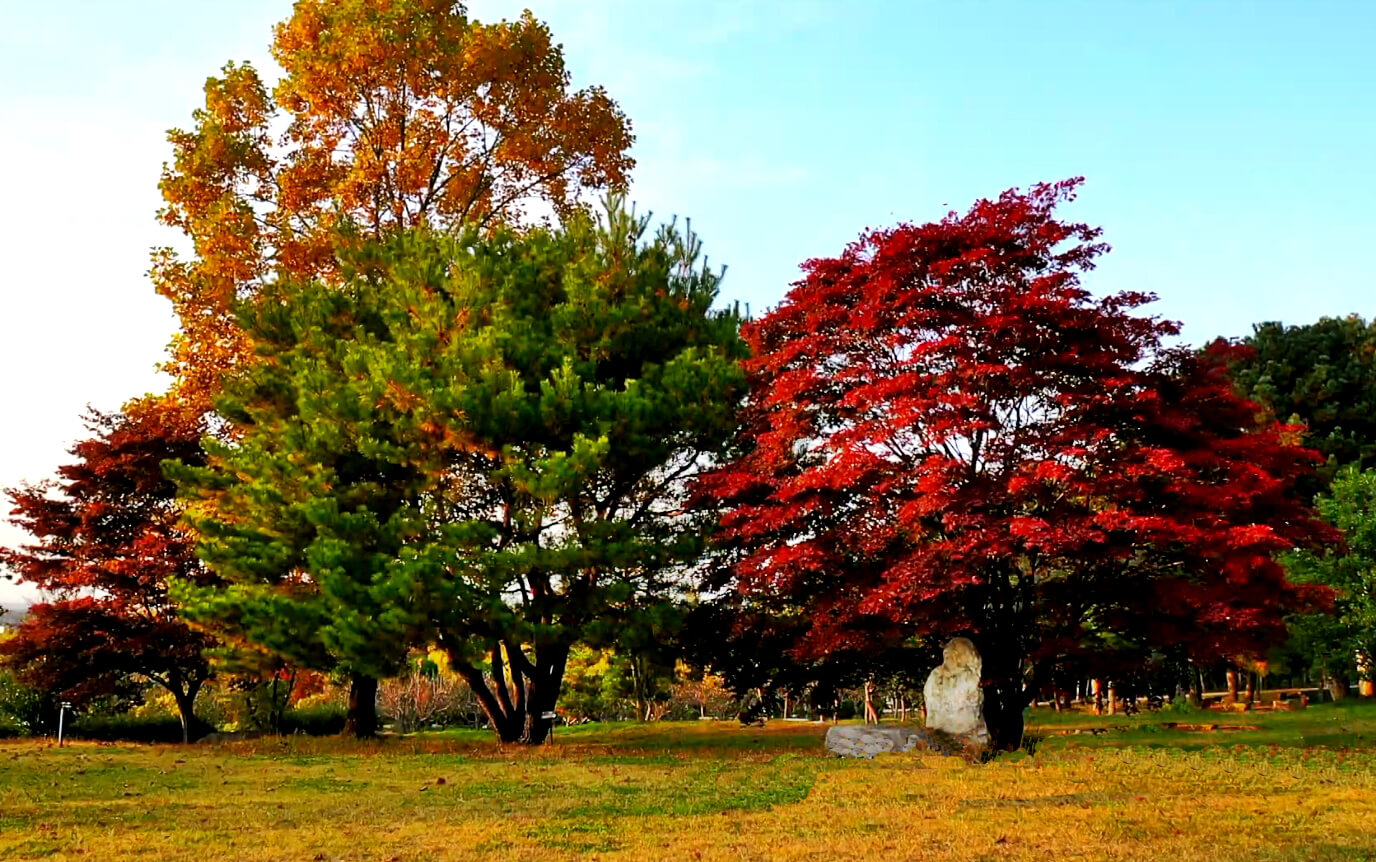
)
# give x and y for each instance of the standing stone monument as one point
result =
(954, 700)
(955, 714)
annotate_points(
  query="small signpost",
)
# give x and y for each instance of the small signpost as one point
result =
(550, 717)
(61, 714)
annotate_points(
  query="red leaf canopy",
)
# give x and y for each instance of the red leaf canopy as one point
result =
(948, 433)
(106, 542)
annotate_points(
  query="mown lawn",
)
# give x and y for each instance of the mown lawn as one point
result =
(1301, 787)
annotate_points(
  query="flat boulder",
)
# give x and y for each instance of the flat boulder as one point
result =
(861, 740)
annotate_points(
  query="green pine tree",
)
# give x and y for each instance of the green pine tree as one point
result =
(480, 442)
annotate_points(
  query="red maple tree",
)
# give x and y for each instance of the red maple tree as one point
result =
(947, 434)
(106, 545)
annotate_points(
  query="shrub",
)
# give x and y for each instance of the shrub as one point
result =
(316, 721)
(323, 720)
(24, 711)
(1180, 706)
(11, 730)
(157, 703)
(699, 695)
(425, 697)
(247, 702)
(127, 728)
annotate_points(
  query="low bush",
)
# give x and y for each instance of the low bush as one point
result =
(323, 720)
(24, 711)
(127, 728)
(1180, 706)
(315, 721)
(423, 698)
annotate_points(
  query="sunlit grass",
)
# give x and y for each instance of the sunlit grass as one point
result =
(1343, 725)
(703, 791)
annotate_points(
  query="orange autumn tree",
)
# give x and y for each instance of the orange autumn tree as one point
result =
(391, 113)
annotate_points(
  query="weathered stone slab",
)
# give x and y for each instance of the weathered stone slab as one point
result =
(953, 697)
(860, 740)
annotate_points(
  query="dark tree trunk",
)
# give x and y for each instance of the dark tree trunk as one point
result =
(542, 692)
(503, 723)
(642, 707)
(184, 693)
(518, 707)
(1005, 698)
(186, 711)
(360, 722)
(1194, 695)
(1004, 702)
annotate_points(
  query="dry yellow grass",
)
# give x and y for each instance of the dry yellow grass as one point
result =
(714, 792)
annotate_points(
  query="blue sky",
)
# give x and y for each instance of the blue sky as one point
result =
(1227, 148)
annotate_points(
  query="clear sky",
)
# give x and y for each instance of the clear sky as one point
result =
(1227, 148)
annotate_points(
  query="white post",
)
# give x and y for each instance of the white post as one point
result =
(61, 714)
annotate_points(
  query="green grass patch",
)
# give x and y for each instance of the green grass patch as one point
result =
(706, 790)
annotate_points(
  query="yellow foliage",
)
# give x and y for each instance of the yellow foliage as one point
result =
(399, 113)
(440, 659)
(156, 704)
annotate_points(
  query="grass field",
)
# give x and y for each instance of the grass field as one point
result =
(1303, 786)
